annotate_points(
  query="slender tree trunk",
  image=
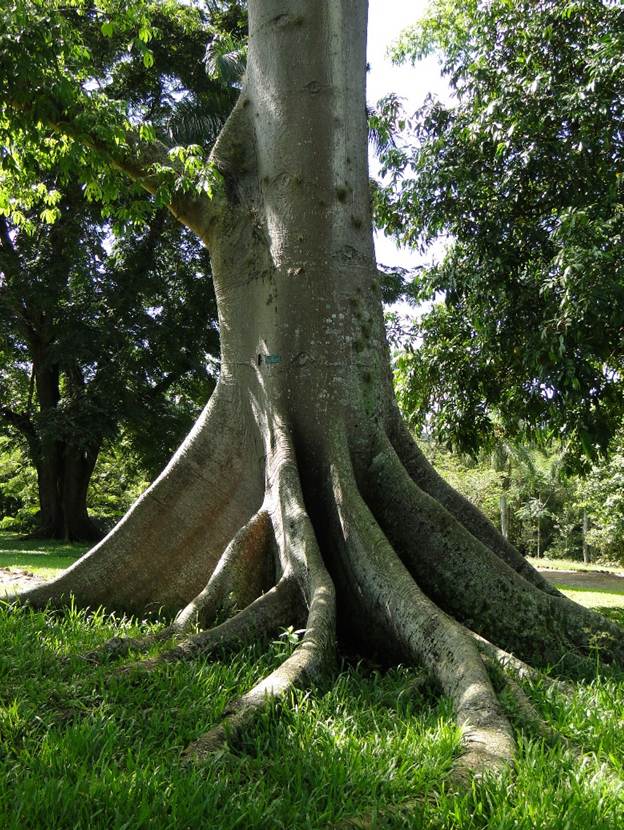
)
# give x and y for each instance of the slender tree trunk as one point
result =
(504, 507)
(504, 516)
(49, 483)
(49, 461)
(586, 553)
(300, 473)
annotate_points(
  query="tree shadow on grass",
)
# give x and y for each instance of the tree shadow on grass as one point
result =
(373, 750)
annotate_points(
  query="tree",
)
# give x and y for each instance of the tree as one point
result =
(69, 377)
(119, 478)
(94, 339)
(601, 500)
(299, 497)
(522, 174)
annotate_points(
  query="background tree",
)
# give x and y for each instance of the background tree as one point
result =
(119, 478)
(522, 175)
(602, 502)
(102, 321)
(299, 497)
(536, 487)
(93, 339)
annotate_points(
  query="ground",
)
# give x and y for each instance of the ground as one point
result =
(87, 753)
(81, 751)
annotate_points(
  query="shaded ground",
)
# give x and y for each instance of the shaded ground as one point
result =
(13, 577)
(589, 580)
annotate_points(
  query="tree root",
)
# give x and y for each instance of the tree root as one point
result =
(306, 665)
(441, 554)
(239, 577)
(426, 477)
(261, 619)
(416, 578)
(161, 553)
(427, 635)
(314, 657)
(518, 668)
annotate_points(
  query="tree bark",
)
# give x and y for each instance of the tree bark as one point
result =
(63, 476)
(63, 470)
(301, 466)
(586, 553)
(504, 516)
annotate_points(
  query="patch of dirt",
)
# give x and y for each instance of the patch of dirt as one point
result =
(598, 580)
(11, 578)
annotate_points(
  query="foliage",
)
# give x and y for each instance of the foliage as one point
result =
(522, 176)
(119, 321)
(119, 478)
(18, 487)
(94, 91)
(476, 480)
(603, 495)
(538, 488)
(107, 314)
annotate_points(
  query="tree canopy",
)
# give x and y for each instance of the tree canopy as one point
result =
(110, 92)
(105, 301)
(521, 174)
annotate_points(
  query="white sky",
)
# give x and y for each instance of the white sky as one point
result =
(386, 19)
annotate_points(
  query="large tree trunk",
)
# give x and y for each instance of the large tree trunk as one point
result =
(300, 473)
(63, 470)
(63, 476)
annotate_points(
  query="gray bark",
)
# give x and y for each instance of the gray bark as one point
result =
(504, 516)
(586, 552)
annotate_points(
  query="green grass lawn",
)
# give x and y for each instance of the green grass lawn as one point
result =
(83, 750)
(591, 598)
(42, 557)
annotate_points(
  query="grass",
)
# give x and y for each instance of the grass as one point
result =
(44, 558)
(80, 750)
(593, 598)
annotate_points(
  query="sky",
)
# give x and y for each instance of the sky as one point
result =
(386, 19)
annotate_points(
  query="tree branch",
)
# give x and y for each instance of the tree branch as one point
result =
(134, 158)
(20, 422)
